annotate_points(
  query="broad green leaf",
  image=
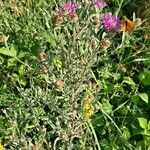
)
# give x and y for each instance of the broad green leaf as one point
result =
(145, 77)
(144, 97)
(107, 107)
(128, 80)
(143, 123)
(8, 52)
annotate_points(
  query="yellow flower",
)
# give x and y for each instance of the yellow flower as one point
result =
(87, 110)
(1, 147)
(87, 114)
(86, 106)
(91, 111)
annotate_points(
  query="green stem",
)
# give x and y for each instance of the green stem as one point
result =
(93, 131)
(120, 5)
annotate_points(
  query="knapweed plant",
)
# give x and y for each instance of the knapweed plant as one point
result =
(74, 75)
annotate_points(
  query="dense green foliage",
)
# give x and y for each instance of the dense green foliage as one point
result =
(61, 88)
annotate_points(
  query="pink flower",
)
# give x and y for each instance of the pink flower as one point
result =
(99, 3)
(70, 7)
(111, 22)
(67, 9)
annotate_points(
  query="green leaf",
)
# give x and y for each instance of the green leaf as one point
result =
(135, 98)
(143, 123)
(21, 70)
(142, 59)
(57, 62)
(149, 125)
(145, 77)
(107, 106)
(98, 121)
(144, 97)
(50, 38)
(22, 80)
(145, 132)
(23, 54)
(128, 80)
(104, 143)
(11, 62)
(126, 133)
(8, 52)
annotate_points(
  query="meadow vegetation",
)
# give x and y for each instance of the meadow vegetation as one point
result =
(74, 75)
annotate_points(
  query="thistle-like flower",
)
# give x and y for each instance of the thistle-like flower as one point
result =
(67, 9)
(99, 3)
(111, 22)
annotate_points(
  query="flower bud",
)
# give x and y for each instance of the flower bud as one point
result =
(23, 142)
(58, 19)
(59, 84)
(105, 43)
(45, 68)
(64, 135)
(122, 68)
(35, 147)
(73, 16)
(4, 38)
(42, 55)
(97, 21)
(42, 129)
(93, 43)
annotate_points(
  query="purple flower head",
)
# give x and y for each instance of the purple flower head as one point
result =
(70, 7)
(111, 22)
(99, 3)
(66, 9)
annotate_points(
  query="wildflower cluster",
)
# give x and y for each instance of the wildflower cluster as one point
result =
(68, 9)
(78, 83)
